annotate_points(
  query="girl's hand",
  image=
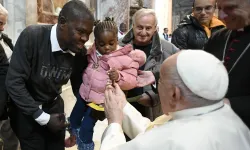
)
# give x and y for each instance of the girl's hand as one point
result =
(113, 75)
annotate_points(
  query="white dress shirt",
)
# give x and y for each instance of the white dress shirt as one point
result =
(7, 50)
(120, 34)
(214, 127)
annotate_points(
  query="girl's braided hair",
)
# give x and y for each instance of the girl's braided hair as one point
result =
(107, 24)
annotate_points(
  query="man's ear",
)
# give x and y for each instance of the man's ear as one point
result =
(175, 98)
(62, 21)
(192, 10)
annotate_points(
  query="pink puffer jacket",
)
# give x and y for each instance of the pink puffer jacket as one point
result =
(125, 60)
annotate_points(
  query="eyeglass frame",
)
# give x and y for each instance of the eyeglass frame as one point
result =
(206, 8)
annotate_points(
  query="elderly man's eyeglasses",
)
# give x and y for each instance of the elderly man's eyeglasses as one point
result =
(207, 9)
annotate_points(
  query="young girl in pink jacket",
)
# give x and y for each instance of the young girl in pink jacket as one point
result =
(107, 62)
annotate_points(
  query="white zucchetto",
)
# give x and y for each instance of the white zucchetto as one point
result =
(203, 74)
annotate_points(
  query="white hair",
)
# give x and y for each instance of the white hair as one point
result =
(195, 100)
(3, 11)
(144, 12)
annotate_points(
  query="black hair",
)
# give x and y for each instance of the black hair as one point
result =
(107, 25)
(73, 10)
(165, 28)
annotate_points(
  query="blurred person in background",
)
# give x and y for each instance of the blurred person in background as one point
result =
(6, 134)
(195, 29)
(232, 46)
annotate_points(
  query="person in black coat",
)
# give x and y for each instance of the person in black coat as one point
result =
(195, 29)
(45, 58)
(232, 47)
(4, 64)
(6, 134)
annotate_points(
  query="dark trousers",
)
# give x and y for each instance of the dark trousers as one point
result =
(3, 93)
(31, 135)
(80, 117)
(8, 136)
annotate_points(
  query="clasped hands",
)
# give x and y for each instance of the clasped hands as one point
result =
(144, 78)
(115, 99)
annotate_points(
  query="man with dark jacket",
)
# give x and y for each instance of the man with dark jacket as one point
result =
(195, 29)
(144, 36)
(6, 134)
(232, 46)
(45, 57)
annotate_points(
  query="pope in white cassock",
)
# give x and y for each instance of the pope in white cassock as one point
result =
(191, 88)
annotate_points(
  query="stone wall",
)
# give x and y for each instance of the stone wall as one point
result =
(16, 18)
(163, 10)
(181, 8)
(119, 9)
(148, 3)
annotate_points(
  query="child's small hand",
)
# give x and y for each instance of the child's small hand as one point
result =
(70, 141)
(113, 74)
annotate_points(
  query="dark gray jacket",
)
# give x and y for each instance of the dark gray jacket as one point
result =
(161, 50)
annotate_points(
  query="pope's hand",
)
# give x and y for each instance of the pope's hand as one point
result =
(114, 103)
(145, 78)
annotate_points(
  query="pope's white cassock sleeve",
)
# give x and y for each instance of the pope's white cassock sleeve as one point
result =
(220, 129)
(133, 124)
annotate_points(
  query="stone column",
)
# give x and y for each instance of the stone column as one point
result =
(16, 18)
(163, 10)
(31, 12)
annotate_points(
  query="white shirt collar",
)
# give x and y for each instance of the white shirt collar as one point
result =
(196, 111)
(53, 39)
(55, 47)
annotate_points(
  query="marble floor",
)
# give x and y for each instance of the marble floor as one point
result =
(69, 101)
